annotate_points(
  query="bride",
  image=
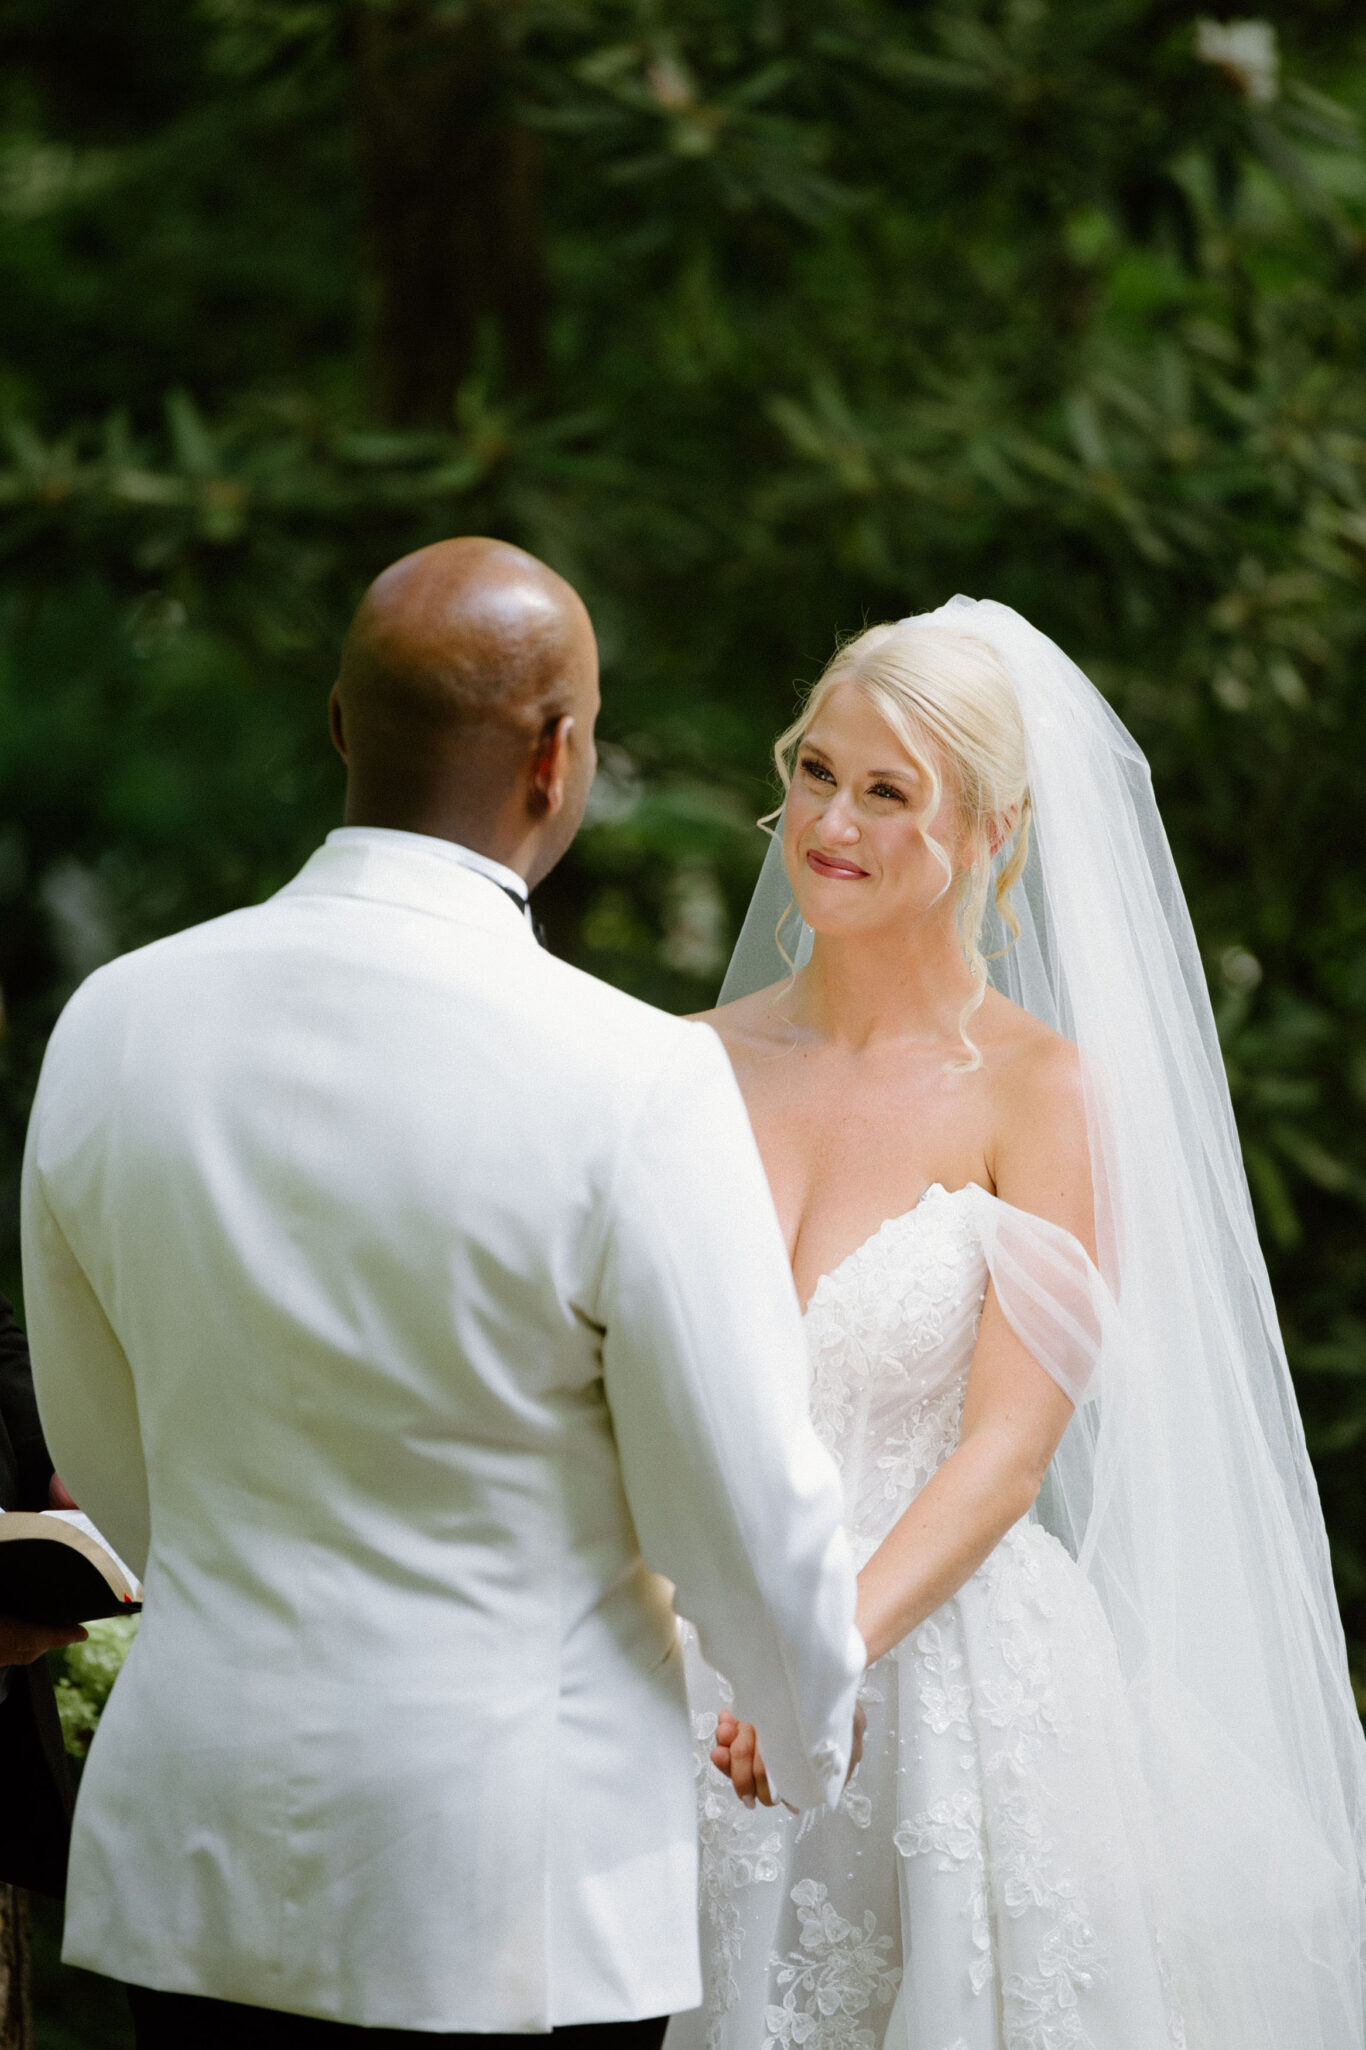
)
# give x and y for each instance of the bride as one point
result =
(1112, 1788)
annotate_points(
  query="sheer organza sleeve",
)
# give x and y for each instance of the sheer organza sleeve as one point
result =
(1050, 1292)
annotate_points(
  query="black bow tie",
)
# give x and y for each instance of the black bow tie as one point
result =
(538, 930)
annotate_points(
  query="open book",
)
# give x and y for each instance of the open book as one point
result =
(56, 1568)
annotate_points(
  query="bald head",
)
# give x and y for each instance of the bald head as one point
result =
(462, 663)
(464, 634)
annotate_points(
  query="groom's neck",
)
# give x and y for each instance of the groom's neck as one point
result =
(491, 833)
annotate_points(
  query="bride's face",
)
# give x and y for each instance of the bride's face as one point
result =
(855, 826)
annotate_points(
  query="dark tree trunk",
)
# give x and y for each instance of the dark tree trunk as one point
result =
(16, 2016)
(450, 189)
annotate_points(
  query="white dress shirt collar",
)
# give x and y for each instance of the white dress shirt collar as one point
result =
(448, 850)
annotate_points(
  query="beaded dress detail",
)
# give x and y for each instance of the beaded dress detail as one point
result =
(982, 1884)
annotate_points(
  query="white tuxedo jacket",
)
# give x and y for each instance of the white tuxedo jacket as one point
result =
(414, 1307)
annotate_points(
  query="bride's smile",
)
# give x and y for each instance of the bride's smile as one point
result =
(862, 811)
(829, 865)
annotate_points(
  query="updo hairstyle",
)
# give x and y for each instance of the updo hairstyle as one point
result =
(950, 703)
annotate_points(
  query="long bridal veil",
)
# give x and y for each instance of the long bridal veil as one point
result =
(1183, 1487)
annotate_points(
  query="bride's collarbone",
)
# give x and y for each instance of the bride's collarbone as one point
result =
(870, 1094)
(850, 1146)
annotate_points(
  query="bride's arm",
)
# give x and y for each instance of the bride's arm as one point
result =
(1014, 1413)
(1013, 1418)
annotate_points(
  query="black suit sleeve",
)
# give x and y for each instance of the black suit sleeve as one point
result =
(19, 1412)
(35, 1783)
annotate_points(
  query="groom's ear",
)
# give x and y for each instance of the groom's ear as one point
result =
(336, 725)
(550, 766)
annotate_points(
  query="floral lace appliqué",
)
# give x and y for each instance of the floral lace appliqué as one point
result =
(1026, 1873)
(740, 1848)
(892, 1305)
(918, 1447)
(951, 1833)
(830, 1983)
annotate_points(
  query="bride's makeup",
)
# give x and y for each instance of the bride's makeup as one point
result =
(829, 865)
(856, 816)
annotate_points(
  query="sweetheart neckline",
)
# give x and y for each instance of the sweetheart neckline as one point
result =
(902, 1217)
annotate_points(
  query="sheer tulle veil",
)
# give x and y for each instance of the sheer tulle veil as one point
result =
(1183, 1487)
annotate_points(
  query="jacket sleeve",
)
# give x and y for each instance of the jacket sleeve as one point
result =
(734, 1498)
(82, 1377)
(19, 1410)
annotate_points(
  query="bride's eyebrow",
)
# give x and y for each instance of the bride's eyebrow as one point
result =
(908, 774)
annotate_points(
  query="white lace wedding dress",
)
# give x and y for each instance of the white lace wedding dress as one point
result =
(982, 1885)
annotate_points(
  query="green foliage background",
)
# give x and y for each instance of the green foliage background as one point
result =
(758, 320)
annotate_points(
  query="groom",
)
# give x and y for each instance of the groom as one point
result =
(413, 1306)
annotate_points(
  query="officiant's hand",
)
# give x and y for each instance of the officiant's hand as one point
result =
(21, 1643)
(58, 1494)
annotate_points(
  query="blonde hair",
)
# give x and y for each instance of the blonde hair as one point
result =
(948, 700)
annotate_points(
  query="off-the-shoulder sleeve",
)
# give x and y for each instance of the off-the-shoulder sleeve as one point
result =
(1050, 1292)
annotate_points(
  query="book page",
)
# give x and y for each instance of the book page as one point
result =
(79, 1521)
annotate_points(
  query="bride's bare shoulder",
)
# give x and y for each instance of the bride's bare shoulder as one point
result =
(752, 1024)
(1039, 1153)
(1018, 1034)
(1037, 1070)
